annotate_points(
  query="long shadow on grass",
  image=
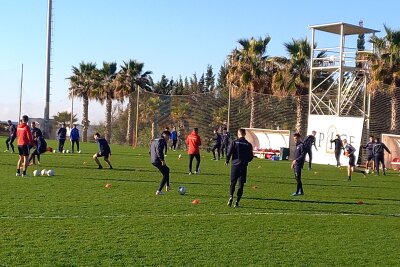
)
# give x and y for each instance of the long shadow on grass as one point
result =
(309, 201)
(338, 185)
(311, 211)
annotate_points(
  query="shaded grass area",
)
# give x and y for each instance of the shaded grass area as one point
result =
(71, 219)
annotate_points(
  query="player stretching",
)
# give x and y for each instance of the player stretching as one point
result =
(157, 149)
(12, 134)
(308, 143)
(105, 151)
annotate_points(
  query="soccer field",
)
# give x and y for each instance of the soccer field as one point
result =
(72, 219)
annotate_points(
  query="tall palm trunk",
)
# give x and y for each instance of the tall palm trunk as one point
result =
(108, 119)
(131, 110)
(299, 115)
(252, 109)
(394, 108)
(85, 118)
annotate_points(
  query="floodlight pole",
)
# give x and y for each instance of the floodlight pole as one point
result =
(229, 108)
(137, 116)
(48, 63)
(20, 92)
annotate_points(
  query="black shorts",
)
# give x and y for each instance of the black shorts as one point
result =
(370, 157)
(105, 155)
(23, 150)
(352, 161)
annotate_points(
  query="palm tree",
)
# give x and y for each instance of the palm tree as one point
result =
(293, 75)
(106, 92)
(385, 69)
(82, 83)
(248, 70)
(129, 79)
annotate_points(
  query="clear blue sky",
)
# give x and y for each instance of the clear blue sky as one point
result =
(172, 37)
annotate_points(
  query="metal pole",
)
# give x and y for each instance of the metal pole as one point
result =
(340, 70)
(72, 110)
(137, 116)
(48, 63)
(311, 72)
(229, 109)
(20, 92)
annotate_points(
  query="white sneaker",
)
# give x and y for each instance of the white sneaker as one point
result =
(25, 175)
(167, 188)
(198, 171)
(159, 193)
(17, 174)
(6, 150)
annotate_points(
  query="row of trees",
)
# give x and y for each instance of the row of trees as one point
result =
(248, 70)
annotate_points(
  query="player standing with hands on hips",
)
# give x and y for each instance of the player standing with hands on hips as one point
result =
(241, 152)
(157, 149)
(298, 163)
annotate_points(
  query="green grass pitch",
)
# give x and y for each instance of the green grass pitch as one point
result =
(72, 219)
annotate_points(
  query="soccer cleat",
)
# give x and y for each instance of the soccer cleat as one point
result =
(295, 194)
(6, 150)
(213, 159)
(309, 168)
(159, 193)
(100, 167)
(111, 167)
(237, 205)
(167, 188)
(190, 173)
(17, 174)
(25, 175)
(230, 202)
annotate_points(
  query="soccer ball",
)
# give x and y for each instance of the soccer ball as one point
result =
(182, 190)
(367, 171)
(43, 172)
(67, 151)
(36, 173)
(64, 151)
(50, 173)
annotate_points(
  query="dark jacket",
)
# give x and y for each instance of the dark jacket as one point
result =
(13, 130)
(225, 138)
(157, 150)
(41, 145)
(217, 139)
(379, 149)
(309, 142)
(62, 133)
(103, 146)
(241, 152)
(349, 149)
(300, 154)
(338, 144)
(36, 132)
(370, 147)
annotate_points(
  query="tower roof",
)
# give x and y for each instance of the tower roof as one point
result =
(348, 29)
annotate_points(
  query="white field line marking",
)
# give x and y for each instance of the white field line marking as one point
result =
(62, 217)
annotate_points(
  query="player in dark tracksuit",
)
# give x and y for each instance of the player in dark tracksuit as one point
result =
(308, 143)
(104, 151)
(11, 137)
(338, 149)
(241, 152)
(370, 154)
(349, 152)
(40, 147)
(298, 163)
(379, 155)
(225, 142)
(217, 145)
(62, 135)
(157, 159)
